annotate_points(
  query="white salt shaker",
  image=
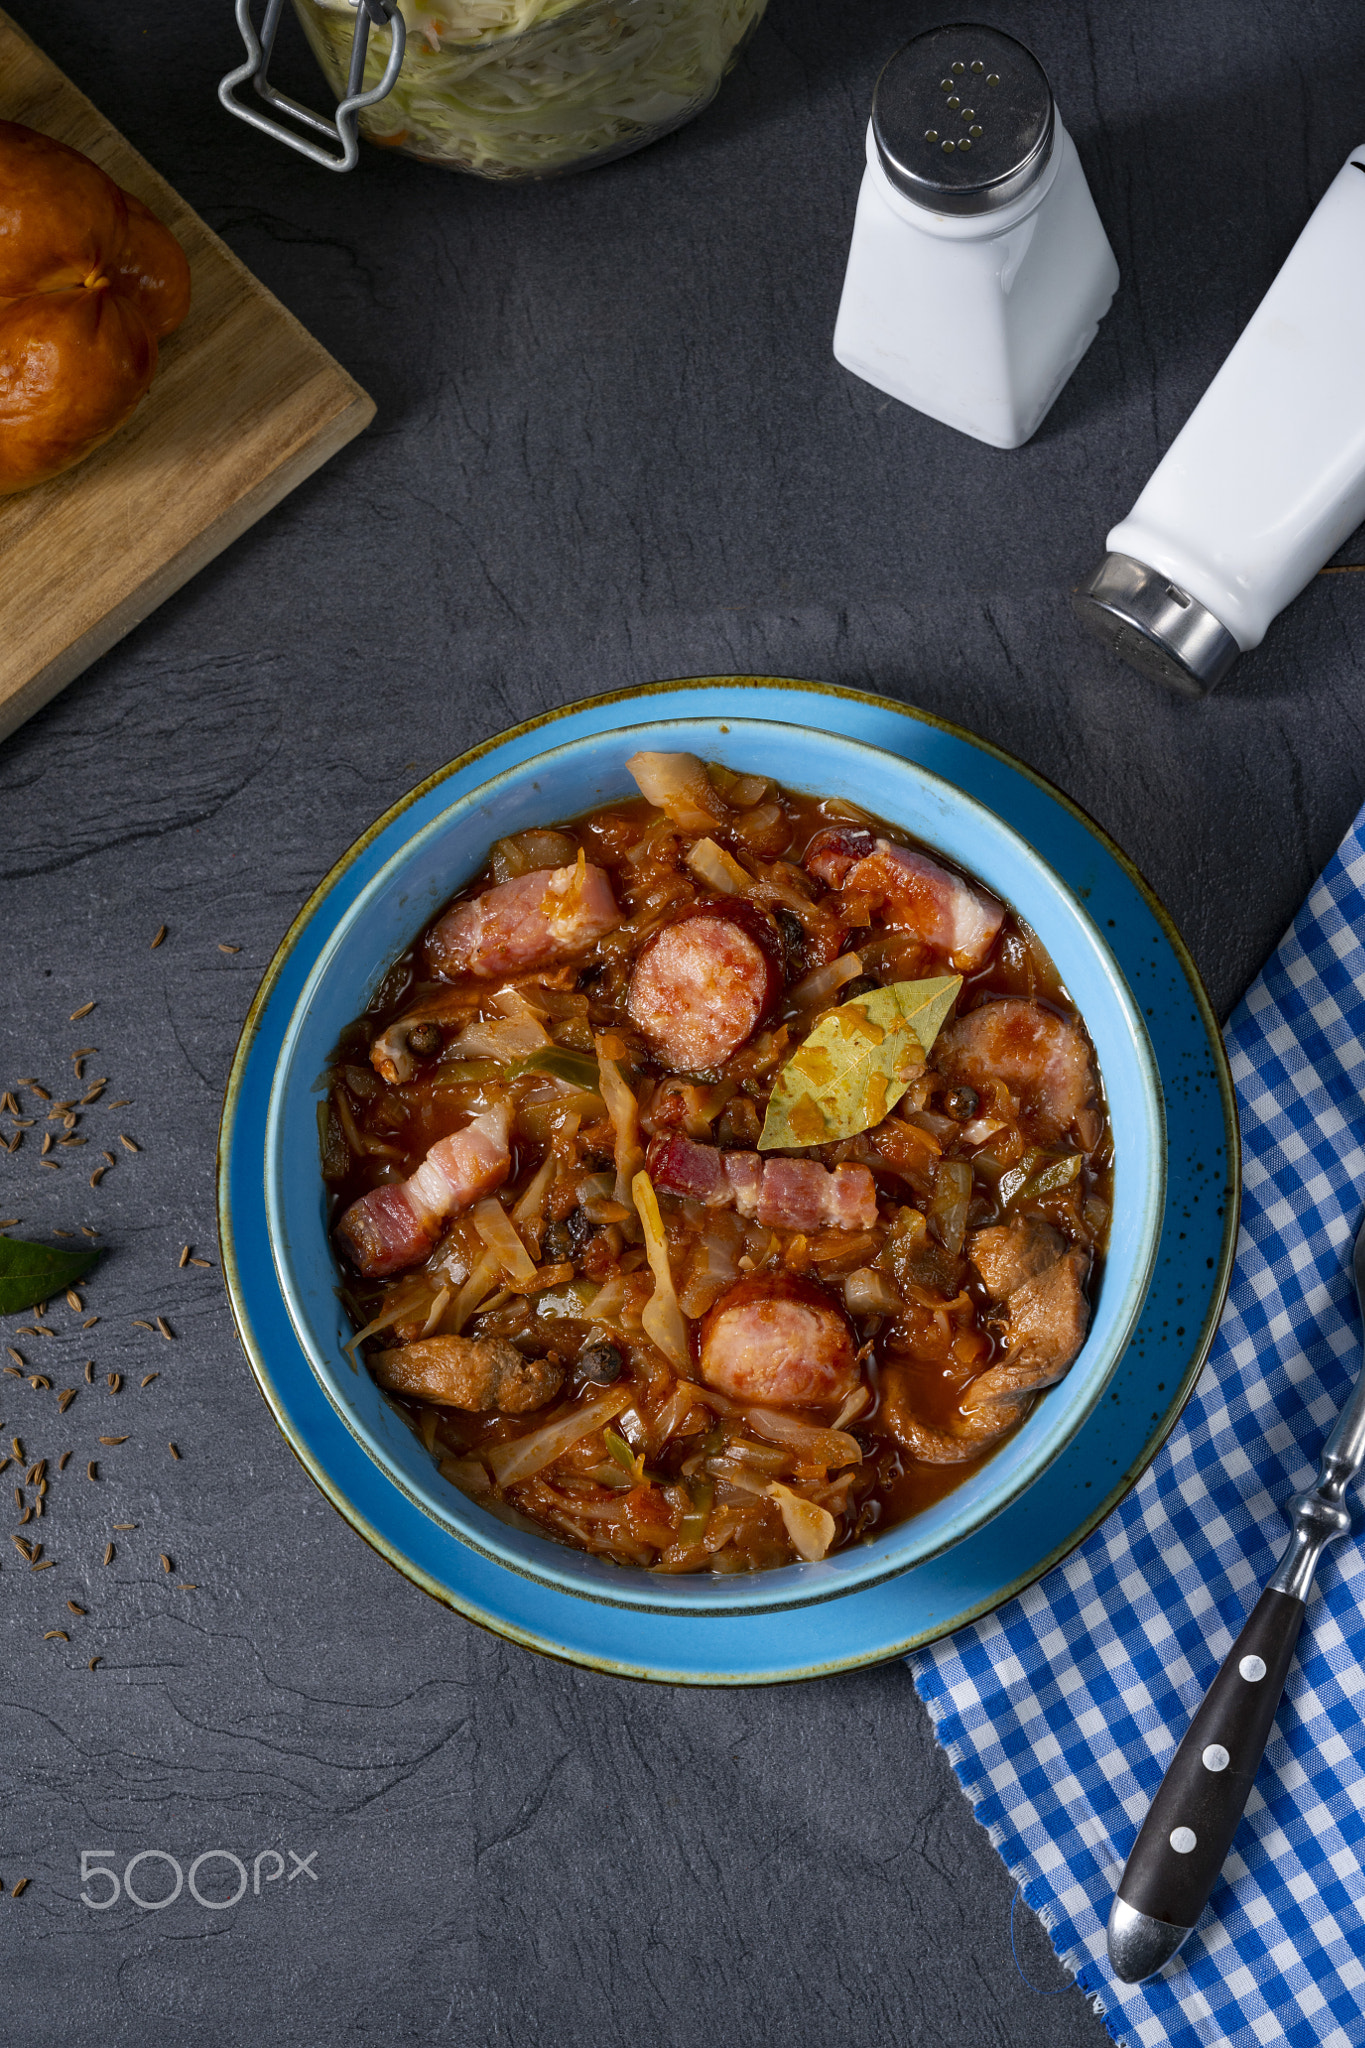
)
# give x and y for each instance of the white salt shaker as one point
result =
(979, 270)
(1265, 479)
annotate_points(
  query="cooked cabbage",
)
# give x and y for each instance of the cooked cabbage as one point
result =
(525, 88)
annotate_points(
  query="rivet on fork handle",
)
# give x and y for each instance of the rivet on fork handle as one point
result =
(342, 128)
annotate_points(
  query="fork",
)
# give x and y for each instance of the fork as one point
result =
(1183, 1843)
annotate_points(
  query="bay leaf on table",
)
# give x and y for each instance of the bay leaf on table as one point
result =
(29, 1273)
(856, 1064)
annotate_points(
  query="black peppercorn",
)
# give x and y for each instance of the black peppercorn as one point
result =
(963, 1103)
(861, 985)
(601, 1363)
(566, 1240)
(425, 1041)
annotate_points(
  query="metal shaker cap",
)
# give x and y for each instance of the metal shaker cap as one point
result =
(963, 119)
(1155, 626)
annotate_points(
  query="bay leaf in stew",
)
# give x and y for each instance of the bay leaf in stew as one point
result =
(856, 1064)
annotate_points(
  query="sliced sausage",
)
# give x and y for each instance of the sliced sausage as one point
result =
(536, 921)
(779, 1341)
(394, 1227)
(1042, 1058)
(703, 985)
(477, 1374)
(916, 895)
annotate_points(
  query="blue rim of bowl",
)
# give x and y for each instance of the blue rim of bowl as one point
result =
(781, 1588)
(1164, 1420)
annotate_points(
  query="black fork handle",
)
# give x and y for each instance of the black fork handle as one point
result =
(1184, 1841)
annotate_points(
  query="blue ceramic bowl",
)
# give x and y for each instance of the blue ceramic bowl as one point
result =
(562, 783)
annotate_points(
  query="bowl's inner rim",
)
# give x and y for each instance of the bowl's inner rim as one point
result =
(852, 1567)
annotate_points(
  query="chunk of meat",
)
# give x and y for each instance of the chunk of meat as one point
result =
(477, 1374)
(1042, 1287)
(744, 1172)
(536, 921)
(393, 1227)
(781, 1342)
(789, 1194)
(1043, 1059)
(677, 1166)
(1047, 1317)
(916, 895)
(382, 1233)
(900, 1418)
(1008, 1254)
(834, 851)
(702, 986)
(800, 1194)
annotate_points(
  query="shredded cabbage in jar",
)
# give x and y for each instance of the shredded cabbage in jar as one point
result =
(526, 88)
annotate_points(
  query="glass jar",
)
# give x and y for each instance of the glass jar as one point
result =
(533, 88)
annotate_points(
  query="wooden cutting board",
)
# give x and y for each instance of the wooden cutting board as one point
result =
(245, 405)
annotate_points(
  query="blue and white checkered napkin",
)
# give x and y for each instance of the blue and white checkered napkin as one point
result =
(1061, 1712)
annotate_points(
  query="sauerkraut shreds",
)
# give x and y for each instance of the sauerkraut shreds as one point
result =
(719, 1177)
(528, 88)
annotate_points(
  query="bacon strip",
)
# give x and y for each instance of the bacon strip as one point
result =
(745, 1174)
(800, 1194)
(834, 851)
(538, 920)
(677, 1166)
(916, 895)
(791, 1194)
(396, 1226)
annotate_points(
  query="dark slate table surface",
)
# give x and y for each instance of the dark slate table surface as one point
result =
(612, 445)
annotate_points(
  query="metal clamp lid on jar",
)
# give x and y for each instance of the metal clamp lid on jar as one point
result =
(963, 119)
(342, 127)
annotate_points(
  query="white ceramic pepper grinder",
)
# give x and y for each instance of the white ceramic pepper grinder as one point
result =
(1265, 479)
(979, 270)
